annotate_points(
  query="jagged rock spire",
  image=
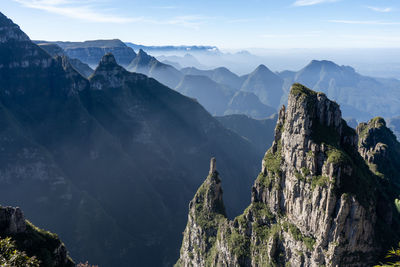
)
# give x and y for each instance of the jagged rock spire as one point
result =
(316, 201)
(213, 166)
(108, 59)
(108, 74)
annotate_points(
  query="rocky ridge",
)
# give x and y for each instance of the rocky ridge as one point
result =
(150, 66)
(45, 246)
(54, 50)
(90, 52)
(316, 202)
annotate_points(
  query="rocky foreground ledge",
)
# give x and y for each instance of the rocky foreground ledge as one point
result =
(44, 246)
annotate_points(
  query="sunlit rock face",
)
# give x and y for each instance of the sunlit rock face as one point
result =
(319, 199)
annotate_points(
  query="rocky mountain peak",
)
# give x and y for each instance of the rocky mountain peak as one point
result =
(143, 57)
(322, 63)
(108, 61)
(108, 74)
(142, 62)
(10, 31)
(206, 210)
(316, 66)
(209, 196)
(379, 147)
(262, 69)
(316, 201)
(314, 110)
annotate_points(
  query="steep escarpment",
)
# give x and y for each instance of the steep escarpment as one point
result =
(380, 149)
(44, 246)
(91, 52)
(55, 50)
(316, 201)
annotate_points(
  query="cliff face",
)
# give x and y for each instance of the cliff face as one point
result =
(45, 246)
(316, 201)
(91, 52)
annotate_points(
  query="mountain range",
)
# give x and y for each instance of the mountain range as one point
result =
(360, 97)
(90, 52)
(109, 162)
(170, 48)
(109, 157)
(179, 62)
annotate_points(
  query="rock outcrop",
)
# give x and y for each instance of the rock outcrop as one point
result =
(205, 211)
(45, 246)
(316, 202)
(11, 221)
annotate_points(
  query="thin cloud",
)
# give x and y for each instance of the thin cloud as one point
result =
(290, 36)
(88, 10)
(380, 9)
(245, 20)
(164, 7)
(365, 22)
(83, 10)
(188, 21)
(311, 2)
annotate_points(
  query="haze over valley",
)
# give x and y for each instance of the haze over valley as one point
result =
(239, 134)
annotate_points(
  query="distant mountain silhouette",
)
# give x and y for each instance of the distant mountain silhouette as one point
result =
(90, 52)
(248, 104)
(148, 65)
(220, 75)
(260, 133)
(212, 95)
(187, 60)
(394, 124)
(265, 84)
(360, 96)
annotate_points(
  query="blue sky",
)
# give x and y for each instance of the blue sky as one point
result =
(230, 24)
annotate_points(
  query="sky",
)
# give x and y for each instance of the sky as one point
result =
(229, 24)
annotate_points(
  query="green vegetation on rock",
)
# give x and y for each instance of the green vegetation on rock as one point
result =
(273, 160)
(11, 256)
(239, 243)
(309, 242)
(397, 204)
(41, 244)
(301, 90)
(337, 156)
(320, 180)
